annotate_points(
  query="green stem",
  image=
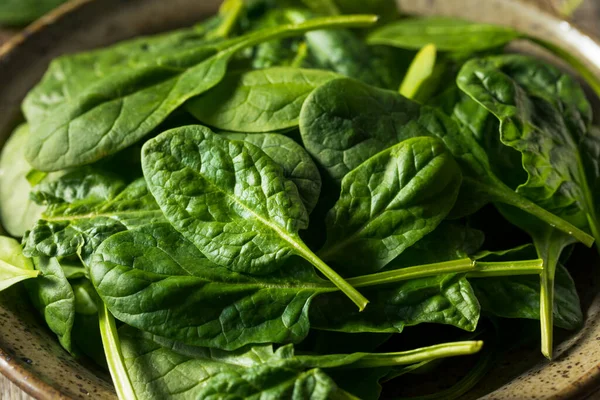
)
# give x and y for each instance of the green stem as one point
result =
(230, 10)
(342, 284)
(465, 384)
(506, 268)
(418, 355)
(503, 194)
(283, 31)
(114, 358)
(419, 271)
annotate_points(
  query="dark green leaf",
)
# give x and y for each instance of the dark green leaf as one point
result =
(53, 296)
(388, 203)
(297, 165)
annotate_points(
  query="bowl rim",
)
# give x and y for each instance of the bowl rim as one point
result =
(13, 369)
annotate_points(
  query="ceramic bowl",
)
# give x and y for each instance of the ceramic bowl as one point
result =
(29, 353)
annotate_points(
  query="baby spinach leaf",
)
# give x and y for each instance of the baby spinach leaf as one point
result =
(544, 115)
(17, 211)
(295, 161)
(519, 297)
(388, 203)
(447, 34)
(52, 295)
(344, 122)
(86, 329)
(163, 280)
(231, 200)
(91, 125)
(14, 266)
(22, 12)
(258, 101)
(84, 210)
(443, 299)
(161, 368)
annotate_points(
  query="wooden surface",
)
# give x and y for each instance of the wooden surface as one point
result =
(587, 17)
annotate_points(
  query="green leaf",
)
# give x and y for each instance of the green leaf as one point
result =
(231, 200)
(258, 101)
(85, 210)
(89, 126)
(154, 279)
(447, 34)
(17, 211)
(297, 165)
(52, 295)
(519, 297)
(449, 241)
(388, 203)
(344, 122)
(443, 299)
(14, 266)
(162, 368)
(86, 328)
(22, 12)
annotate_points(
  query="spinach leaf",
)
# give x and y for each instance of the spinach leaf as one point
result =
(17, 211)
(170, 279)
(84, 209)
(344, 122)
(161, 368)
(443, 299)
(294, 160)
(86, 328)
(52, 295)
(154, 279)
(519, 297)
(14, 266)
(232, 201)
(22, 12)
(91, 124)
(258, 101)
(388, 203)
(544, 115)
(447, 34)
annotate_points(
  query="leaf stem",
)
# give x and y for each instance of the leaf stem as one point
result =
(418, 355)
(507, 268)
(114, 358)
(419, 271)
(503, 194)
(335, 278)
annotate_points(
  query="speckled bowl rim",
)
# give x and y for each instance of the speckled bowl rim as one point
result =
(31, 384)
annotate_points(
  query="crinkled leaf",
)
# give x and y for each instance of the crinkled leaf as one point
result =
(78, 227)
(258, 101)
(297, 165)
(154, 279)
(388, 203)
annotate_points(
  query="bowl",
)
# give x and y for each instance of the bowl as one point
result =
(30, 355)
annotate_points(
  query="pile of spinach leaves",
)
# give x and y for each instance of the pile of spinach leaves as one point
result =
(259, 205)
